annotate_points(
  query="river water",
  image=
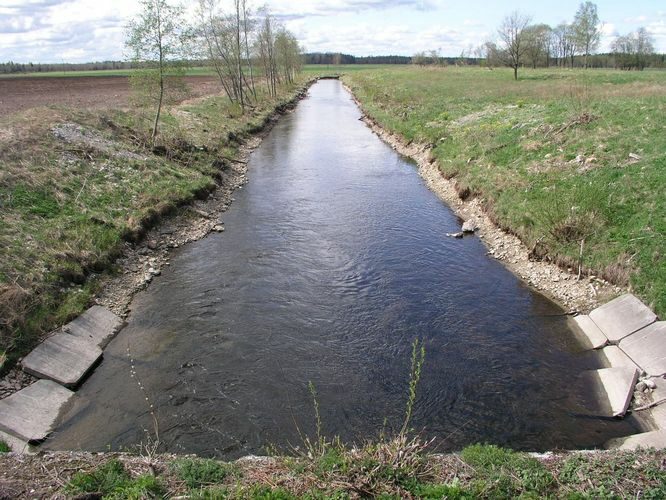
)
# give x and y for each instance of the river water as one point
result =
(335, 258)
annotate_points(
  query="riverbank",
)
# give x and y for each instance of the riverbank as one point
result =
(560, 285)
(82, 194)
(544, 167)
(335, 472)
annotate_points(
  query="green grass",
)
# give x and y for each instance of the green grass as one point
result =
(111, 480)
(4, 447)
(69, 207)
(502, 473)
(514, 145)
(198, 473)
(376, 471)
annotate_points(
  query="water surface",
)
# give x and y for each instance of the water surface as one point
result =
(333, 261)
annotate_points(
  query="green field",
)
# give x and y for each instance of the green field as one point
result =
(557, 157)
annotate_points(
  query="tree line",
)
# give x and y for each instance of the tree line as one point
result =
(522, 43)
(245, 49)
(339, 58)
(14, 67)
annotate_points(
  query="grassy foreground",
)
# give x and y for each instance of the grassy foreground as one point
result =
(559, 157)
(76, 185)
(389, 469)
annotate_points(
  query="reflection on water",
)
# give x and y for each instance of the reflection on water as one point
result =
(334, 259)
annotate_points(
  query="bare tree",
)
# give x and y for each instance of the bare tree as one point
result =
(586, 29)
(288, 54)
(265, 46)
(156, 38)
(537, 40)
(564, 44)
(514, 46)
(223, 38)
(631, 50)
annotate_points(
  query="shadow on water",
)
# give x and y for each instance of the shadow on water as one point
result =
(334, 259)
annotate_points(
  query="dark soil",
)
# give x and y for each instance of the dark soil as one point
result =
(21, 93)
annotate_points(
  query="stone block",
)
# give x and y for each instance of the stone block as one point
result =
(622, 316)
(31, 413)
(63, 358)
(97, 324)
(647, 348)
(619, 386)
(611, 390)
(654, 439)
(592, 336)
(616, 358)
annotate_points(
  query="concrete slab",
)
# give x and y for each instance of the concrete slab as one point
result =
(97, 324)
(63, 358)
(31, 413)
(618, 384)
(647, 347)
(606, 392)
(18, 445)
(616, 358)
(593, 337)
(654, 439)
(622, 317)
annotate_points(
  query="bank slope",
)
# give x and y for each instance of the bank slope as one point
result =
(77, 186)
(563, 159)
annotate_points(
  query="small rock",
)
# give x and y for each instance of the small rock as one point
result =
(634, 156)
(469, 226)
(580, 159)
(641, 386)
(650, 384)
(152, 244)
(219, 228)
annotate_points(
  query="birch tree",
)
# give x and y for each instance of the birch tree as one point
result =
(586, 30)
(156, 39)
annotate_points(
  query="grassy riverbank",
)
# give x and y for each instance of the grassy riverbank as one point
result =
(385, 470)
(558, 157)
(77, 185)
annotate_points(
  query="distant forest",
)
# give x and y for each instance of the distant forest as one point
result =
(608, 60)
(595, 61)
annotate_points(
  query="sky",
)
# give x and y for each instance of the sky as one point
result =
(94, 30)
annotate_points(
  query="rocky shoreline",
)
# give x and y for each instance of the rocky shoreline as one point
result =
(562, 286)
(141, 262)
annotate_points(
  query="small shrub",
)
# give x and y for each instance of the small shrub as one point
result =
(102, 480)
(111, 480)
(268, 493)
(437, 491)
(144, 486)
(199, 472)
(502, 473)
(4, 447)
(596, 476)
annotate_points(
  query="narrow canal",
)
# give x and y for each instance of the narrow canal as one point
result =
(333, 261)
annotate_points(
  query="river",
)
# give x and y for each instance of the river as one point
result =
(334, 259)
